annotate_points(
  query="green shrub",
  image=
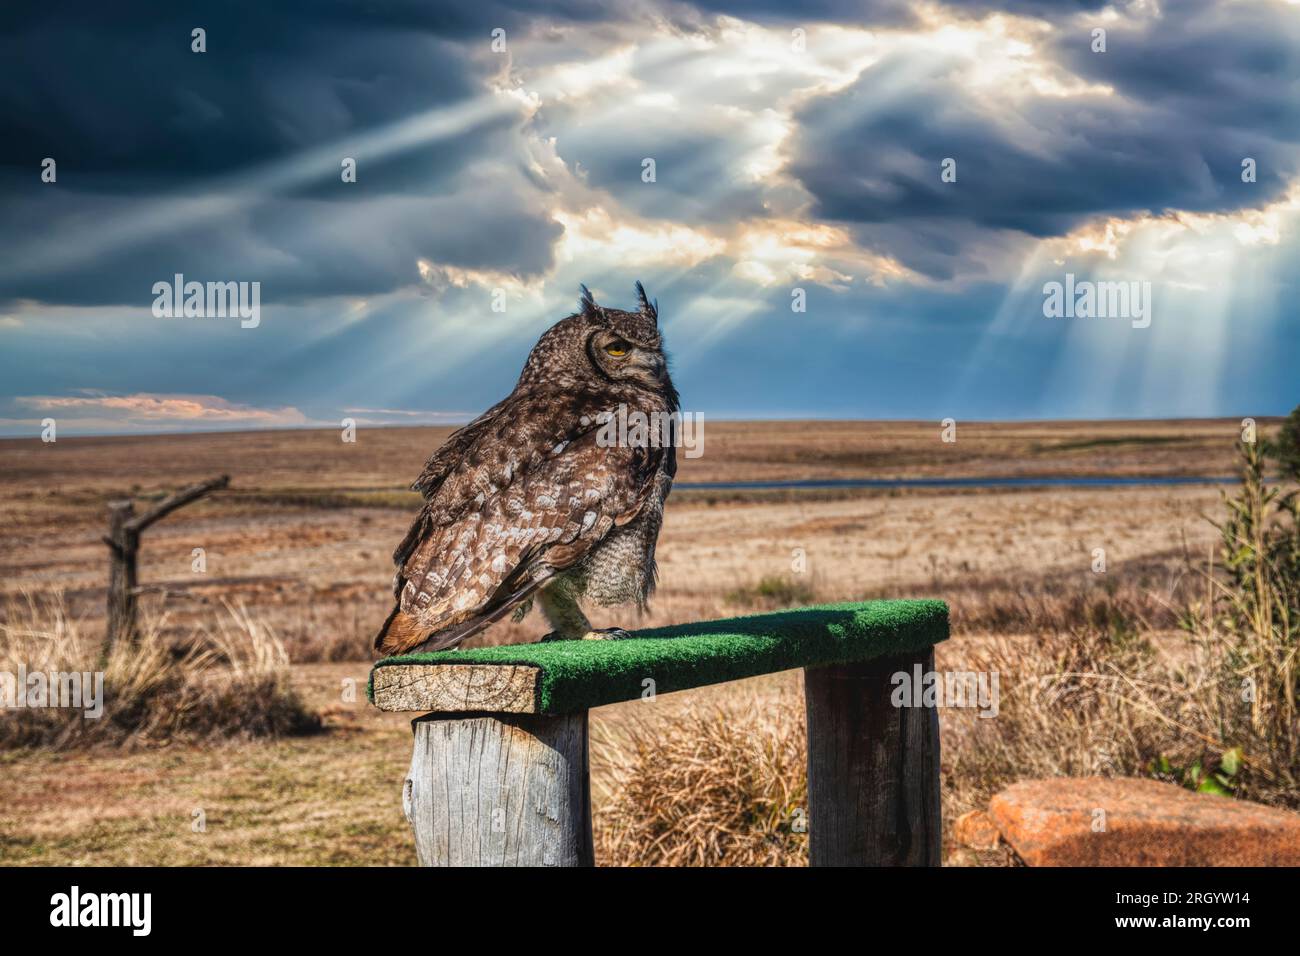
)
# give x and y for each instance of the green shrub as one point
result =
(1255, 615)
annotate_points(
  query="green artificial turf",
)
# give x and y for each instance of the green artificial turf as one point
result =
(577, 675)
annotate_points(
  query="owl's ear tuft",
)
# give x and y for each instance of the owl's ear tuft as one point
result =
(586, 304)
(647, 308)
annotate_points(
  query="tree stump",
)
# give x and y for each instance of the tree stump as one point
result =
(502, 790)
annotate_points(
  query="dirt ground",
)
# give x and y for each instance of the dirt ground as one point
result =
(329, 799)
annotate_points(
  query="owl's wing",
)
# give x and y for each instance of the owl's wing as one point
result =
(466, 563)
(450, 452)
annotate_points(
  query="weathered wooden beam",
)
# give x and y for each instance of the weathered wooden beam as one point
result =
(500, 791)
(873, 768)
(451, 688)
(178, 500)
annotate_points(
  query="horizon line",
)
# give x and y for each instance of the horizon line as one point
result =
(178, 433)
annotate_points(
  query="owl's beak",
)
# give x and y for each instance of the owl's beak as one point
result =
(651, 368)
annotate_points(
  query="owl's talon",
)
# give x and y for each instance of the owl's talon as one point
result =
(607, 634)
(552, 636)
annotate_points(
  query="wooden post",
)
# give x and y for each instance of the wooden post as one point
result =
(123, 540)
(123, 544)
(873, 768)
(503, 790)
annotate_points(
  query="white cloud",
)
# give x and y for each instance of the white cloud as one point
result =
(152, 411)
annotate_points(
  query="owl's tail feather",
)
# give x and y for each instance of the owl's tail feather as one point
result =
(400, 633)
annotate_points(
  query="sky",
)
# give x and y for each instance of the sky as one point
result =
(845, 210)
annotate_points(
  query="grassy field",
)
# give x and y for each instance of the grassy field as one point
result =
(302, 541)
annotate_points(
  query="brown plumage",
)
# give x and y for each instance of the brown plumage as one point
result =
(532, 500)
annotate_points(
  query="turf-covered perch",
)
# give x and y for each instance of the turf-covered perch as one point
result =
(560, 677)
(499, 775)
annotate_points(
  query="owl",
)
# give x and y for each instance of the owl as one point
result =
(546, 496)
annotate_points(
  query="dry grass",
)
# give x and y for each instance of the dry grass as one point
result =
(774, 592)
(229, 680)
(1123, 599)
(1073, 704)
(1212, 707)
(713, 787)
(332, 798)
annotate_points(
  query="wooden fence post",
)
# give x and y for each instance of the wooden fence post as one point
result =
(500, 790)
(123, 540)
(123, 544)
(873, 768)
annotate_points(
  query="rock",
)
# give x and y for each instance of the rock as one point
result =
(1095, 821)
(975, 830)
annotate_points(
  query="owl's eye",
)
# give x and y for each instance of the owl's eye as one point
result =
(617, 349)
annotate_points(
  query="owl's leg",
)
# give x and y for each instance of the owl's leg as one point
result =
(560, 607)
(521, 612)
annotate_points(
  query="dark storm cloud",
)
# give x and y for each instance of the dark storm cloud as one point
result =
(1041, 9)
(1188, 106)
(132, 115)
(115, 94)
(296, 247)
(116, 88)
(1234, 65)
(890, 13)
